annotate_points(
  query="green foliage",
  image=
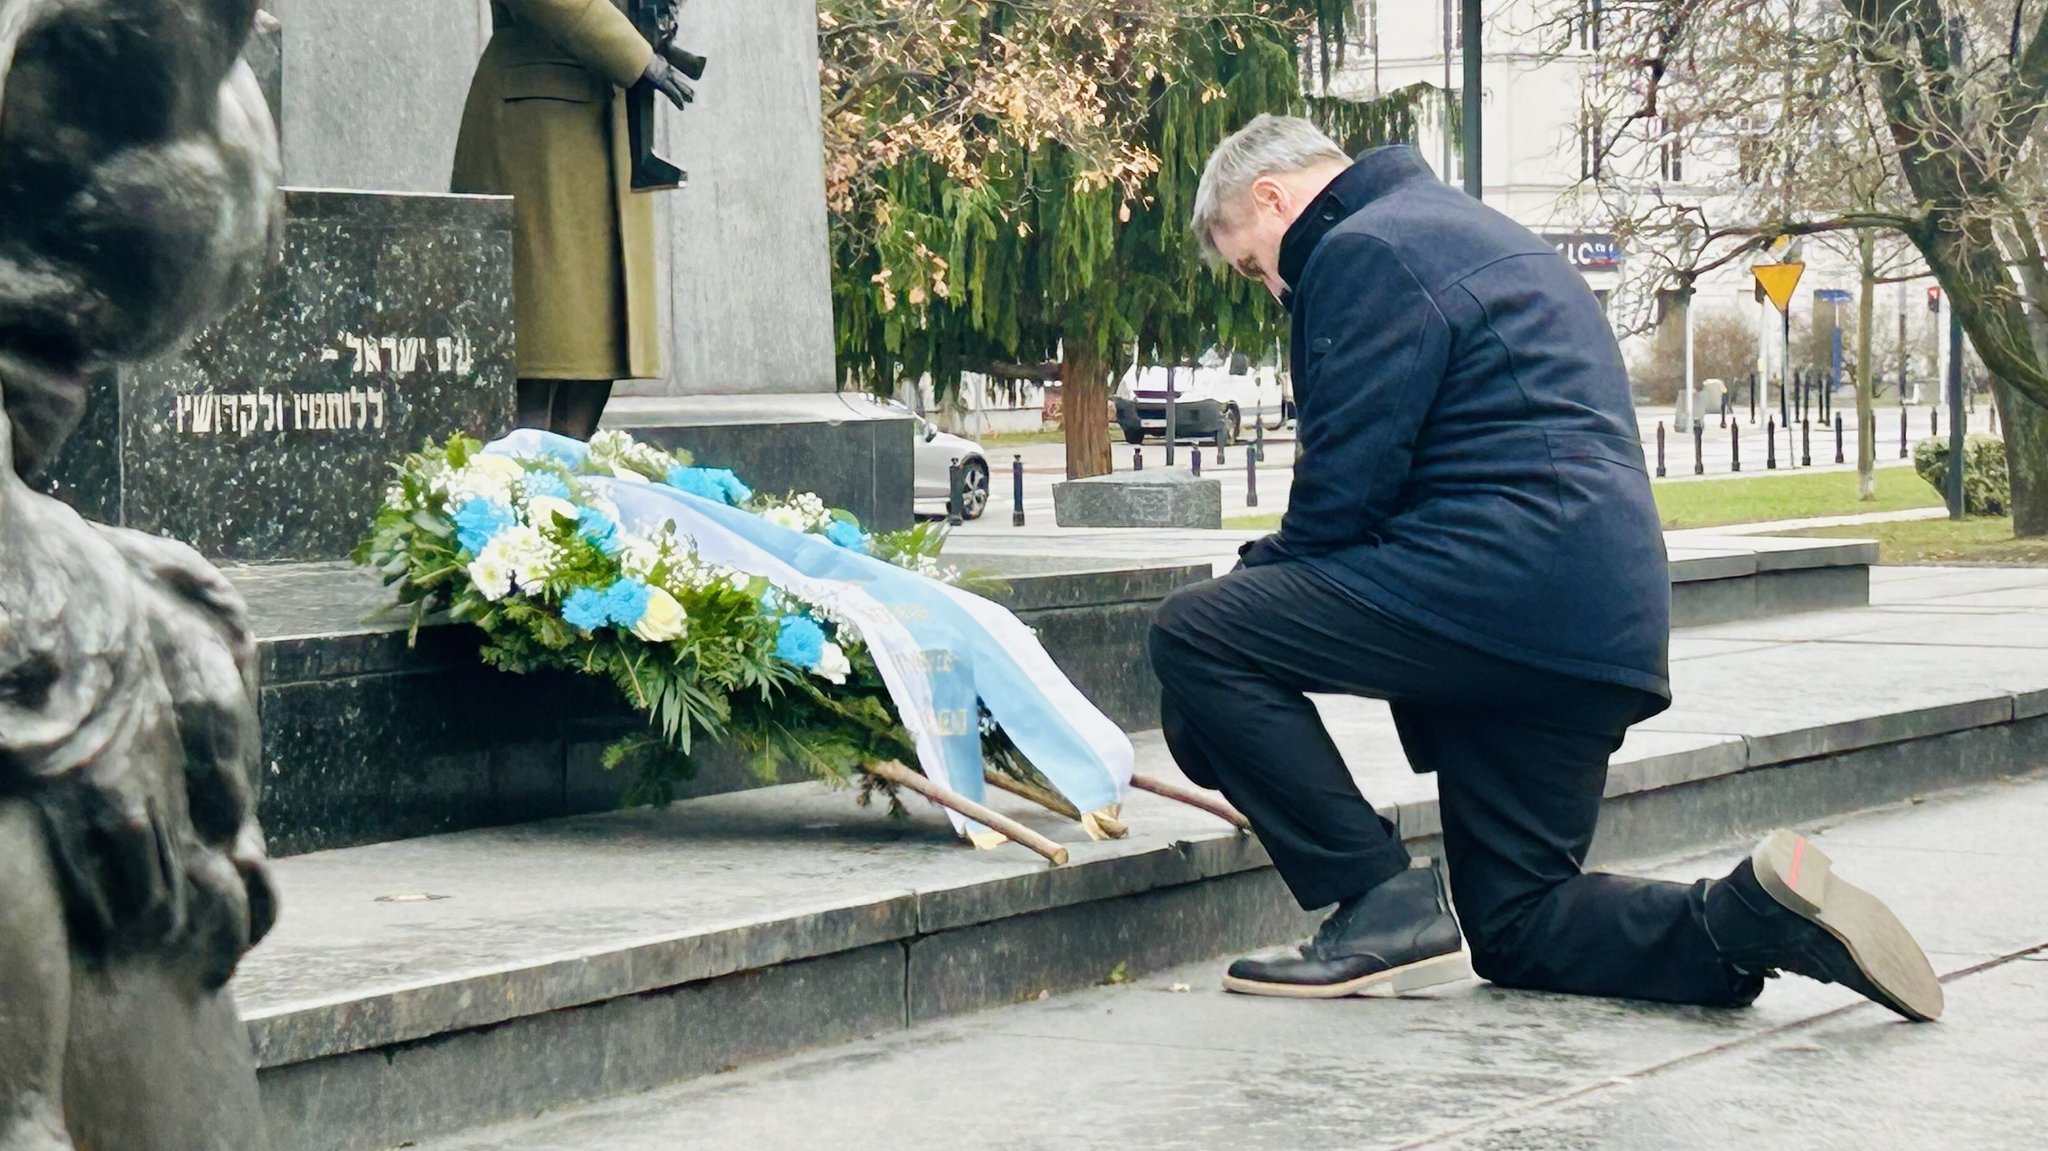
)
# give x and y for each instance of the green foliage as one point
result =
(1987, 483)
(1040, 256)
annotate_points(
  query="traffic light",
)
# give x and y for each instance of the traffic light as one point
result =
(1934, 299)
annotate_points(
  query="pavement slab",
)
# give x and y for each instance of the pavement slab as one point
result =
(1172, 1062)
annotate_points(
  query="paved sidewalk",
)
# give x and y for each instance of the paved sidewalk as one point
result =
(1173, 1062)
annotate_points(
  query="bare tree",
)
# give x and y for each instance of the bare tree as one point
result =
(1914, 123)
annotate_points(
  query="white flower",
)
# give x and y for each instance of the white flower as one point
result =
(394, 496)
(664, 620)
(542, 511)
(486, 478)
(640, 556)
(787, 518)
(833, 666)
(491, 577)
(522, 551)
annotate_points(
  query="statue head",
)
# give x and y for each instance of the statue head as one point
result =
(138, 192)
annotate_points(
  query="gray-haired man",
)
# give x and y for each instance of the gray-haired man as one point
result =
(1471, 537)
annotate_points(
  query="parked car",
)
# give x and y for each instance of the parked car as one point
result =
(1218, 394)
(933, 467)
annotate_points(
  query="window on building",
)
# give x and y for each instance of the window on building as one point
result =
(1588, 25)
(1592, 143)
(1671, 149)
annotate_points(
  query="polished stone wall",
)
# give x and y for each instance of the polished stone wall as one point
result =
(271, 437)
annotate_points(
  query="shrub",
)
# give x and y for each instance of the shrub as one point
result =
(1987, 486)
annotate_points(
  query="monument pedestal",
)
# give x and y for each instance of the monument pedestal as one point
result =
(271, 437)
(852, 452)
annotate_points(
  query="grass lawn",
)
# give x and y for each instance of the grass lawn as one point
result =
(1982, 542)
(1758, 499)
(1023, 439)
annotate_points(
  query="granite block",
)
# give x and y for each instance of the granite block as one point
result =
(395, 1096)
(272, 435)
(852, 460)
(1157, 499)
(1022, 957)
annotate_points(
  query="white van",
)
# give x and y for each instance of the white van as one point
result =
(1219, 394)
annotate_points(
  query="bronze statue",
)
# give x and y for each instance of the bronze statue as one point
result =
(560, 116)
(138, 199)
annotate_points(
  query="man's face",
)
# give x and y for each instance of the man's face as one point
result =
(1249, 238)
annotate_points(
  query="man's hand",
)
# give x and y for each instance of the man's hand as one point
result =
(1262, 551)
(663, 78)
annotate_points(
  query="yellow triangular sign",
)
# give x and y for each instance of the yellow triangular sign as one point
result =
(1779, 282)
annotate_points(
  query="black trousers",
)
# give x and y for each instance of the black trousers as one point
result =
(1521, 759)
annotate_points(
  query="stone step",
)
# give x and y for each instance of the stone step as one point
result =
(421, 987)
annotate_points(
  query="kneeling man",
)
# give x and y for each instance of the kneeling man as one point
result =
(1471, 538)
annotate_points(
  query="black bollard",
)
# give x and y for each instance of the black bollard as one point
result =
(1839, 430)
(1197, 454)
(1735, 448)
(1017, 485)
(1259, 435)
(1805, 443)
(1137, 459)
(1770, 445)
(1724, 409)
(956, 485)
(1699, 447)
(1903, 433)
(1220, 444)
(1752, 397)
(1251, 479)
(1660, 449)
(1934, 422)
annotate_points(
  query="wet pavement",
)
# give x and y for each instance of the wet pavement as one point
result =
(1172, 1062)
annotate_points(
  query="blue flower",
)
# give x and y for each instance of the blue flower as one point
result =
(625, 602)
(600, 529)
(848, 535)
(800, 642)
(584, 610)
(476, 521)
(538, 484)
(717, 484)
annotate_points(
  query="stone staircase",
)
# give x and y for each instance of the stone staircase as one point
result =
(421, 984)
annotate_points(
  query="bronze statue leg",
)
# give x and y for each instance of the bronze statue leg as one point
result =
(35, 992)
(579, 405)
(534, 404)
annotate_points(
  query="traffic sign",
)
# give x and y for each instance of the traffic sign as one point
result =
(1833, 295)
(1779, 281)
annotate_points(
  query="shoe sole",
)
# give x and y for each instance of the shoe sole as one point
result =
(1432, 972)
(1801, 877)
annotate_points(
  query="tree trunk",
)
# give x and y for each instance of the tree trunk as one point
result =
(2025, 427)
(1866, 409)
(1084, 403)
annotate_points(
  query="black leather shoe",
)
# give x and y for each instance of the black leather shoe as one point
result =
(1784, 909)
(1400, 936)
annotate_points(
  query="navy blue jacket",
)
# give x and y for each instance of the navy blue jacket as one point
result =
(1469, 460)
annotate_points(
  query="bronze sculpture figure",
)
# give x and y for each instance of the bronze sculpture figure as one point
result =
(138, 199)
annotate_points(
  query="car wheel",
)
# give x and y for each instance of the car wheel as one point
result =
(1233, 425)
(973, 489)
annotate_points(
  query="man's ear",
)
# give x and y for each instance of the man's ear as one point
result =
(1269, 195)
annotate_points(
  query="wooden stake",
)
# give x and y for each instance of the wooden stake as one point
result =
(1178, 794)
(903, 777)
(1055, 803)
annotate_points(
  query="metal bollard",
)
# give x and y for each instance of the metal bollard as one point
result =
(1198, 459)
(1259, 435)
(1903, 453)
(1840, 428)
(1770, 445)
(1724, 409)
(1251, 479)
(1934, 421)
(1660, 449)
(1735, 448)
(957, 486)
(1221, 443)
(1137, 459)
(1017, 482)
(1805, 443)
(1752, 397)
(1699, 447)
